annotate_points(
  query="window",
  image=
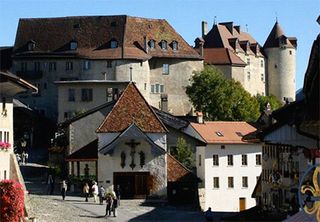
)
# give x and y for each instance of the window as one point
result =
(86, 95)
(215, 182)
(31, 46)
(157, 88)
(219, 134)
(199, 160)
(244, 182)
(290, 52)
(165, 69)
(86, 64)
(113, 44)
(230, 182)
(109, 94)
(215, 159)
(175, 45)
(24, 66)
(164, 45)
(239, 134)
(223, 147)
(4, 136)
(275, 66)
(248, 75)
(152, 44)
(109, 64)
(52, 66)
(145, 86)
(258, 159)
(73, 45)
(37, 66)
(71, 95)
(69, 66)
(261, 63)
(262, 77)
(248, 61)
(244, 160)
(230, 160)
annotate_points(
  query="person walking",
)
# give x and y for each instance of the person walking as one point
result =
(109, 200)
(49, 184)
(64, 188)
(85, 191)
(208, 215)
(101, 194)
(114, 204)
(95, 191)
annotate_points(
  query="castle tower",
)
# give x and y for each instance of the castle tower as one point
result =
(281, 64)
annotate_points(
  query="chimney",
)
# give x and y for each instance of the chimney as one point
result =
(204, 28)
(199, 117)
(145, 44)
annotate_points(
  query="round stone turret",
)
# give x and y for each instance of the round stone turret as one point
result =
(281, 65)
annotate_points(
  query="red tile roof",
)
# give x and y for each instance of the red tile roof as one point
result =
(229, 130)
(176, 172)
(131, 108)
(222, 56)
(93, 35)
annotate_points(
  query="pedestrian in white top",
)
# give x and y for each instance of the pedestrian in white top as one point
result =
(95, 191)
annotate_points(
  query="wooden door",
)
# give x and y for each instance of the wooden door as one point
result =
(242, 203)
(141, 185)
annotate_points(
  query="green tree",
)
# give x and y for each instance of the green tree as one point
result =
(272, 100)
(183, 153)
(220, 98)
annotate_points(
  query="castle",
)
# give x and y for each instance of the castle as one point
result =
(261, 70)
(80, 62)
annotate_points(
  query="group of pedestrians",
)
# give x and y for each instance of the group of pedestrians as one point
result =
(112, 198)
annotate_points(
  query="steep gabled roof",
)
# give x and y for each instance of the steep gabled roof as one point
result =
(273, 40)
(131, 108)
(223, 131)
(93, 35)
(87, 153)
(177, 172)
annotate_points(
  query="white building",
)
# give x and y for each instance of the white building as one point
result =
(10, 85)
(228, 167)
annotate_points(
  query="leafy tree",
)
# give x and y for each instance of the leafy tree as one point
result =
(220, 98)
(263, 100)
(183, 153)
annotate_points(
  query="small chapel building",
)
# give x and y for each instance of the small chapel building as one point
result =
(132, 145)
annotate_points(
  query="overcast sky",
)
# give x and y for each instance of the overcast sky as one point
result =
(296, 17)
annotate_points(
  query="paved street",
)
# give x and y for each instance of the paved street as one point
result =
(52, 208)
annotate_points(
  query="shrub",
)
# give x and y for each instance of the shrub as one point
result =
(11, 201)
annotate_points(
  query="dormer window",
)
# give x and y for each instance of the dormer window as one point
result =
(73, 45)
(113, 44)
(219, 134)
(175, 45)
(164, 45)
(31, 46)
(152, 44)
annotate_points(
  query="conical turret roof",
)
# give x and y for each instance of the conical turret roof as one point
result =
(273, 38)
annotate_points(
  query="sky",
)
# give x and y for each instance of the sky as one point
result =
(296, 17)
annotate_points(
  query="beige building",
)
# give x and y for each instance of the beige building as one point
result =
(113, 48)
(261, 70)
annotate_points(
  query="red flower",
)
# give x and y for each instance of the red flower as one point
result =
(11, 201)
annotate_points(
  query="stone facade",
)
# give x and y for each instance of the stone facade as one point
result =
(131, 58)
(267, 70)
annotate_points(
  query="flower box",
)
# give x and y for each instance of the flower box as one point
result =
(4, 145)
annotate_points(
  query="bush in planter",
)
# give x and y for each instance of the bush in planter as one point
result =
(11, 201)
